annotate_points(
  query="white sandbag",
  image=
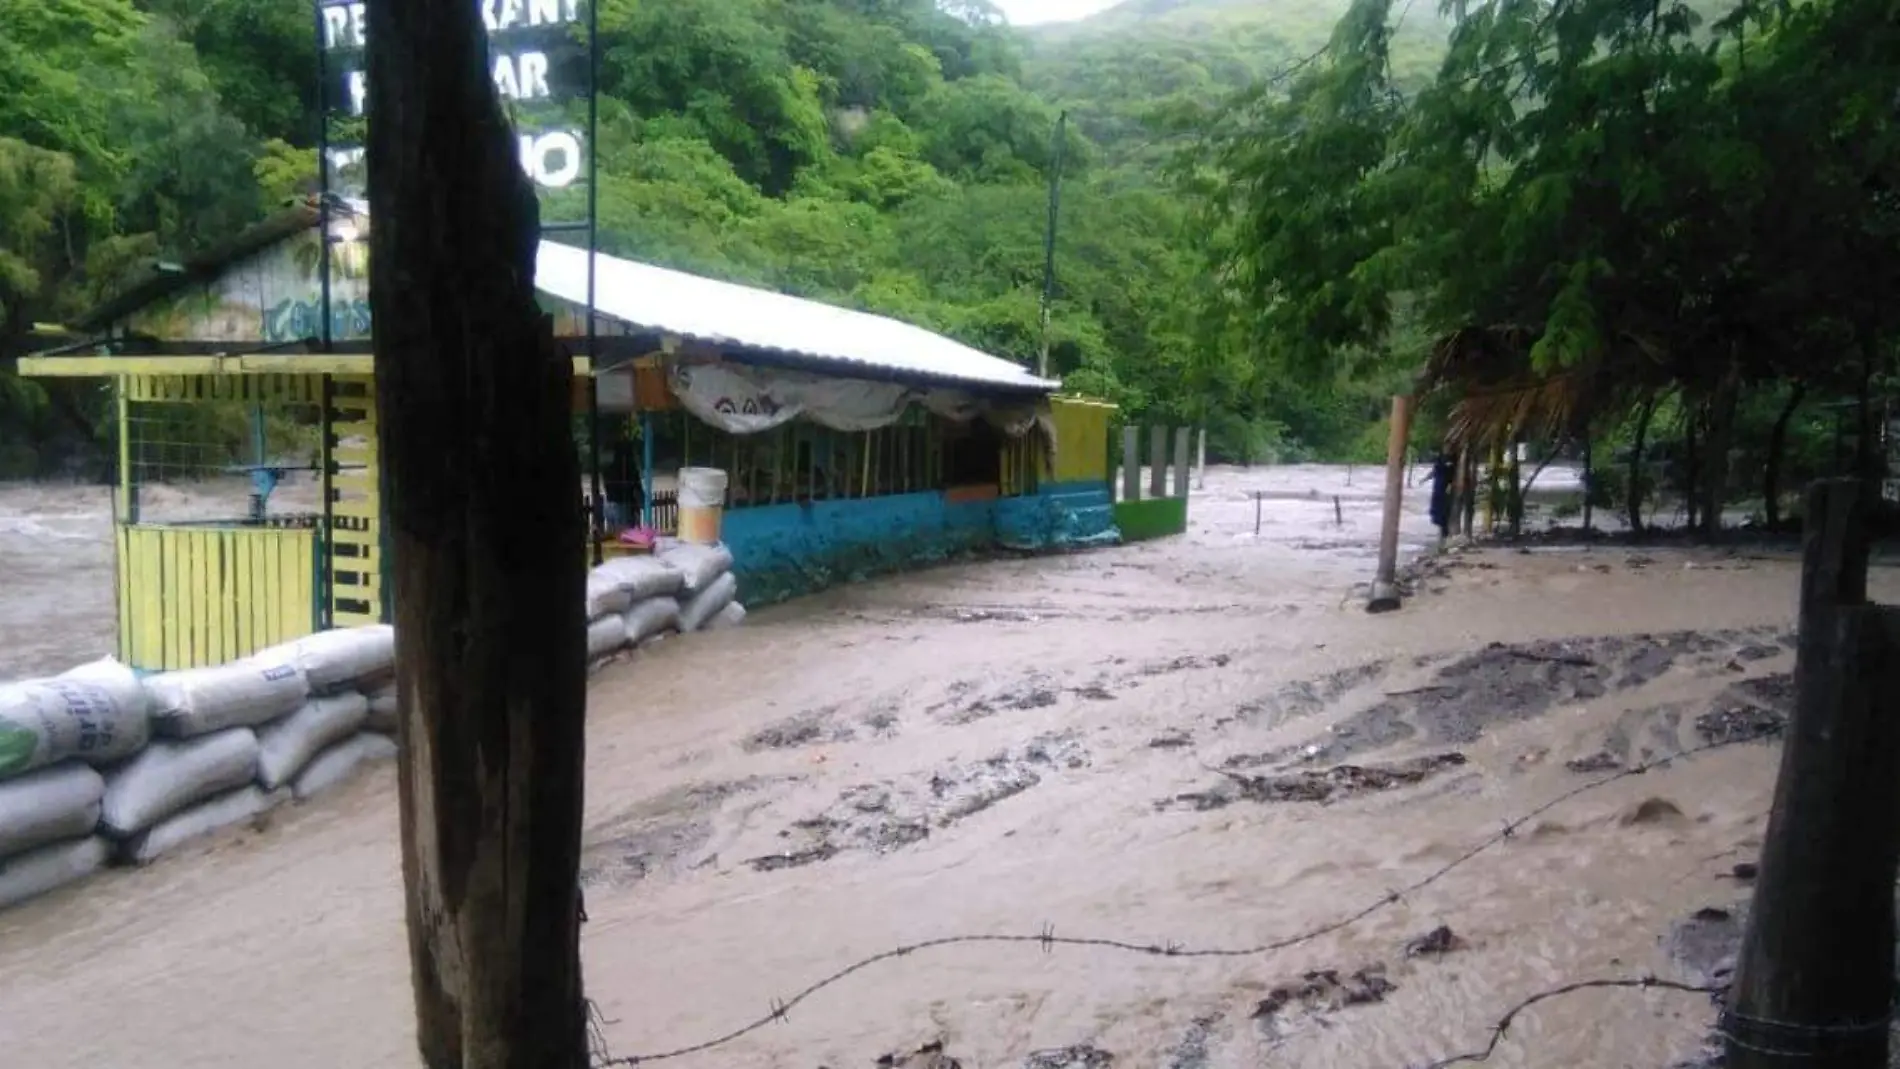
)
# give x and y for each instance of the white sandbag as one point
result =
(336, 658)
(641, 577)
(731, 616)
(605, 635)
(96, 712)
(699, 566)
(385, 711)
(231, 807)
(703, 606)
(340, 762)
(170, 775)
(285, 747)
(55, 803)
(199, 701)
(605, 596)
(36, 872)
(652, 616)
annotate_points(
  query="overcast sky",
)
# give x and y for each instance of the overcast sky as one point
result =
(1030, 12)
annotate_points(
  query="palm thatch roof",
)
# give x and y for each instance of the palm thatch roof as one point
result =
(1500, 395)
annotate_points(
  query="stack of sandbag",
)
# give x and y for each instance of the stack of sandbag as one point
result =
(645, 589)
(55, 736)
(707, 586)
(345, 721)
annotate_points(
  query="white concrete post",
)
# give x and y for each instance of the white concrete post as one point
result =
(1158, 462)
(1131, 463)
(1183, 457)
(1200, 461)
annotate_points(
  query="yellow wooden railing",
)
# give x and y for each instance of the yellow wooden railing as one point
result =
(195, 596)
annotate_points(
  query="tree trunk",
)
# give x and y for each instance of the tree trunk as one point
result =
(1716, 440)
(1777, 446)
(481, 484)
(1633, 493)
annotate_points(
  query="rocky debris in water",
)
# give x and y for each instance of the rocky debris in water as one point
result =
(1192, 1052)
(1173, 740)
(1601, 761)
(1094, 692)
(1434, 944)
(1729, 722)
(1651, 811)
(1322, 991)
(1080, 1056)
(1308, 696)
(796, 731)
(1704, 944)
(1745, 871)
(1035, 692)
(882, 817)
(928, 1056)
(1328, 785)
(655, 834)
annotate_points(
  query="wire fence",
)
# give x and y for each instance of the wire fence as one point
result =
(1047, 940)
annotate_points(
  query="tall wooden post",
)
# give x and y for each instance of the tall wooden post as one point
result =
(1131, 463)
(476, 400)
(1158, 462)
(1814, 980)
(1385, 587)
(1182, 458)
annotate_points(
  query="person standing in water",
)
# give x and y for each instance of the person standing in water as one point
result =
(1441, 493)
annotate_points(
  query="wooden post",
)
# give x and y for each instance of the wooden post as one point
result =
(1588, 476)
(476, 405)
(1385, 587)
(1814, 978)
(1256, 514)
(1131, 463)
(1158, 462)
(1183, 457)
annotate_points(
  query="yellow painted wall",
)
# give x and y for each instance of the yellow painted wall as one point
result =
(1081, 438)
(356, 529)
(196, 596)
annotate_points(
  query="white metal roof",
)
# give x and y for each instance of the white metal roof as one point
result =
(726, 314)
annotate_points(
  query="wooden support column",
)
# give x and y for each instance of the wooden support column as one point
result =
(1814, 980)
(1158, 462)
(476, 399)
(1131, 463)
(1385, 587)
(1183, 438)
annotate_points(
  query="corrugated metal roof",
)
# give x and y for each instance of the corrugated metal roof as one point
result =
(729, 315)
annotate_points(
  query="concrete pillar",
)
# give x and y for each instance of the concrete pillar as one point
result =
(1158, 462)
(1183, 457)
(1200, 461)
(1131, 463)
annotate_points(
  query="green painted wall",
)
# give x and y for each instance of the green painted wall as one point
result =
(1154, 518)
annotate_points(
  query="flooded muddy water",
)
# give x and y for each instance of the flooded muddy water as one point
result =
(1200, 743)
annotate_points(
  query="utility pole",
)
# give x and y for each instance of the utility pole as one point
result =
(1049, 240)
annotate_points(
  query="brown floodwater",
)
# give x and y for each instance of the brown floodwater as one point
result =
(1114, 744)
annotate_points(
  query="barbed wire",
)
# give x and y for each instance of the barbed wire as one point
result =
(1048, 940)
(1503, 1025)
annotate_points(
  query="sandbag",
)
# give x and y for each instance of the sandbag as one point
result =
(199, 701)
(699, 566)
(605, 635)
(641, 577)
(731, 616)
(652, 616)
(55, 803)
(97, 713)
(605, 597)
(704, 605)
(385, 710)
(48, 868)
(285, 747)
(170, 775)
(337, 658)
(231, 807)
(341, 761)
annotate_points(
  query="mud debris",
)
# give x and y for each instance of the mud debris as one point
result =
(1319, 993)
(1080, 1056)
(1751, 709)
(1192, 1052)
(1601, 761)
(1435, 944)
(886, 816)
(1322, 786)
(656, 835)
(928, 1056)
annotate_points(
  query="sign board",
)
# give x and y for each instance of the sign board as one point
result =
(537, 55)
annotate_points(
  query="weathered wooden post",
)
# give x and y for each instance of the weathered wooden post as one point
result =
(1814, 980)
(1183, 457)
(1131, 463)
(1385, 586)
(1158, 462)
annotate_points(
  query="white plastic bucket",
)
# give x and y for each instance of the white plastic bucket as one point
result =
(702, 500)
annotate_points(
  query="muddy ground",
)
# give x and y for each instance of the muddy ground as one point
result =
(1195, 745)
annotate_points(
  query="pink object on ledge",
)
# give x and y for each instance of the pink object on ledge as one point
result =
(638, 536)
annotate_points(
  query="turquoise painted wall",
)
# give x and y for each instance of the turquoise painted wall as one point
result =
(783, 551)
